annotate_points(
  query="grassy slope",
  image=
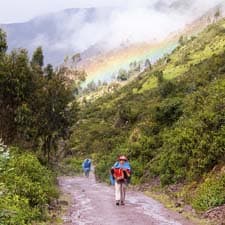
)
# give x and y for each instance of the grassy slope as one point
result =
(195, 50)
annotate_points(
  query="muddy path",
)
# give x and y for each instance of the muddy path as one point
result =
(93, 203)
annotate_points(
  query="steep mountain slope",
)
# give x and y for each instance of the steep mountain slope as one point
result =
(169, 121)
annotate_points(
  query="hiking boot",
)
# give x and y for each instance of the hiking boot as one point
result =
(117, 203)
(122, 203)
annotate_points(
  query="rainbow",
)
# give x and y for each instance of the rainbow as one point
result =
(103, 67)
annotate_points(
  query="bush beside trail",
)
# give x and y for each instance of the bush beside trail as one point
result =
(26, 188)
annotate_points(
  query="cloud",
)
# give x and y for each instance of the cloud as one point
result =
(111, 23)
(113, 26)
(24, 10)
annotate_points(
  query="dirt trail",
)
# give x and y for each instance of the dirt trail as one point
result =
(93, 204)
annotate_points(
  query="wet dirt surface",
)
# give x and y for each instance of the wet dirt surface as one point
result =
(93, 203)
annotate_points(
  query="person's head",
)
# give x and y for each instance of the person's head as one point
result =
(122, 159)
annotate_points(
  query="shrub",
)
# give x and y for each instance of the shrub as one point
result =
(102, 170)
(16, 210)
(72, 165)
(137, 171)
(169, 111)
(30, 180)
(210, 193)
(25, 190)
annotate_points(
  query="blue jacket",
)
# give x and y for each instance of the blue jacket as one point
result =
(86, 165)
(117, 165)
(126, 165)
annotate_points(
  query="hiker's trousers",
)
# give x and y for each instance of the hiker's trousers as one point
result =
(120, 191)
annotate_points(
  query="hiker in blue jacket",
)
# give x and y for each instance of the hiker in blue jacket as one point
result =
(120, 176)
(86, 165)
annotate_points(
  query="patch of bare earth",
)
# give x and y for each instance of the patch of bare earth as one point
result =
(216, 214)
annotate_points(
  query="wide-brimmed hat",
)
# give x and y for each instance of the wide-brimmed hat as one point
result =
(122, 157)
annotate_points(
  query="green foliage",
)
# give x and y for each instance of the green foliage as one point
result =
(37, 110)
(148, 64)
(15, 88)
(137, 171)
(3, 43)
(122, 75)
(195, 145)
(30, 179)
(37, 58)
(217, 14)
(126, 114)
(56, 113)
(26, 188)
(102, 169)
(37, 106)
(182, 40)
(210, 193)
(166, 88)
(168, 111)
(159, 76)
(71, 165)
(16, 210)
(49, 71)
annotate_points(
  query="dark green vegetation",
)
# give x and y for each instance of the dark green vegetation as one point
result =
(71, 166)
(37, 110)
(36, 104)
(170, 121)
(26, 188)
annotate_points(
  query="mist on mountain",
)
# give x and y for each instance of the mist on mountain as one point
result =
(93, 30)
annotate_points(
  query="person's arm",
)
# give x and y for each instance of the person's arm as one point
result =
(126, 173)
(113, 173)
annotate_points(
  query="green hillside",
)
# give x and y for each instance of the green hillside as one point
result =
(170, 121)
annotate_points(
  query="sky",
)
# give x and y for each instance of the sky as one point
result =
(12, 11)
(22, 10)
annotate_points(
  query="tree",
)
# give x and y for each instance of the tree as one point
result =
(55, 112)
(71, 74)
(148, 64)
(217, 14)
(181, 40)
(99, 84)
(91, 86)
(15, 89)
(48, 71)
(138, 67)
(37, 106)
(3, 43)
(38, 58)
(159, 76)
(122, 75)
(76, 58)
